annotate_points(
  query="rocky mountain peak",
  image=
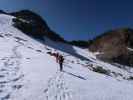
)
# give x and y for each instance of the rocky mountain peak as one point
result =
(114, 46)
(34, 25)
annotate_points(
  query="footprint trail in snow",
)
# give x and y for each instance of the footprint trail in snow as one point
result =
(10, 74)
(57, 88)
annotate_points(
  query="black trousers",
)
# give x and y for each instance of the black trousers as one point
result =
(61, 66)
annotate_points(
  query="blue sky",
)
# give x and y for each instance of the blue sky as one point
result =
(78, 19)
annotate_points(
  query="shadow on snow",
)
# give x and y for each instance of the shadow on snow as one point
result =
(77, 76)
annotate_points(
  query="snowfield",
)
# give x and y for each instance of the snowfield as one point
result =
(28, 72)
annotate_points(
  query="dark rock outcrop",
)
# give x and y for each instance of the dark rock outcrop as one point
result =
(115, 46)
(81, 43)
(32, 24)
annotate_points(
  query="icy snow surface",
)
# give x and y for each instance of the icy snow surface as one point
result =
(27, 72)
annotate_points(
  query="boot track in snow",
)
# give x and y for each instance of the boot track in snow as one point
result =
(57, 88)
(10, 74)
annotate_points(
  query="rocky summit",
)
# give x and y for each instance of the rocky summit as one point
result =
(115, 46)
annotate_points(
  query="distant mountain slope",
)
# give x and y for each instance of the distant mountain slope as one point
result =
(115, 46)
(33, 25)
(81, 43)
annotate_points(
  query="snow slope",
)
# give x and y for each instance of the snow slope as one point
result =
(27, 72)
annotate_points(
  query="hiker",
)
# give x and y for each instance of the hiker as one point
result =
(61, 60)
